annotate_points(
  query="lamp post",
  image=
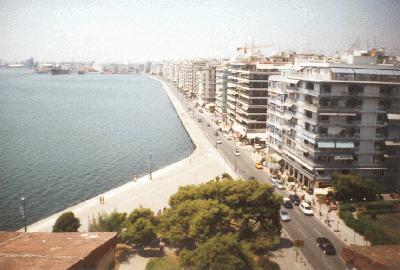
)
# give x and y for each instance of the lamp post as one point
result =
(234, 155)
(24, 210)
(150, 165)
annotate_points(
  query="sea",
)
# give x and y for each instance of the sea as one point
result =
(67, 138)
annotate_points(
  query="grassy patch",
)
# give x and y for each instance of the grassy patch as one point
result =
(164, 263)
(389, 223)
(379, 228)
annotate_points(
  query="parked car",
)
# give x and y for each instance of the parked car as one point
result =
(259, 165)
(280, 185)
(199, 120)
(208, 125)
(251, 178)
(226, 135)
(294, 199)
(287, 203)
(326, 246)
(306, 209)
(284, 215)
(219, 141)
(237, 153)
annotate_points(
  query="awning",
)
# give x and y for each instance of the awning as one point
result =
(365, 71)
(276, 157)
(344, 145)
(326, 145)
(292, 81)
(343, 157)
(327, 113)
(392, 143)
(385, 72)
(342, 70)
(257, 146)
(273, 165)
(393, 116)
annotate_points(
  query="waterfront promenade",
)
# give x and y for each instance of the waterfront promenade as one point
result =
(201, 166)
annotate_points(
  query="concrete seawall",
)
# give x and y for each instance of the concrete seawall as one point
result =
(201, 166)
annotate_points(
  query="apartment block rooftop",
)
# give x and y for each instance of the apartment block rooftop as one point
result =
(39, 250)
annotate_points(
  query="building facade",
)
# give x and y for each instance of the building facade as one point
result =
(330, 116)
(221, 80)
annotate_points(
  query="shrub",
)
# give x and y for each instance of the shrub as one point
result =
(379, 205)
(67, 222)
(107, 222)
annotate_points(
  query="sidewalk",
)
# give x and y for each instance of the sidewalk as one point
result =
(345, 233)
(286, 255)
(203, 165)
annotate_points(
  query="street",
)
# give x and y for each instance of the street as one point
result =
(307, 228)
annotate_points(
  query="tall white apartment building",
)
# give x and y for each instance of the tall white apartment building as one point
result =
(247, 97)
(335, 116)
(221, 80)
(205, 80)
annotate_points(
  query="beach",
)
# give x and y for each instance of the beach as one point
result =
(204, 164)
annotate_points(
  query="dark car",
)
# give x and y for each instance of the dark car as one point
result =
(326, 246)
(287, 203)
(294, 199)
(251, 178)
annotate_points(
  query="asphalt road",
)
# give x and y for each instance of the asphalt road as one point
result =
(307, 228)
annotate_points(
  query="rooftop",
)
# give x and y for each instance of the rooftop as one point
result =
(39, 250)
(385, 257)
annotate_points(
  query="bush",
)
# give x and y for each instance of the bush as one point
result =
(379, 205)
(291, 179)
(67, 222)
(141, 233)
(107, 222)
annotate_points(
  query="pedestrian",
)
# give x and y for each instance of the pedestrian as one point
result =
(161, 245)
(100, 199)
(103, 199)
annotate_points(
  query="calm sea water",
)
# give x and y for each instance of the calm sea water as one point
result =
(66, 138)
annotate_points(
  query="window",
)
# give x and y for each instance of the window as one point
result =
(355, 89)
(324, 118)
(325, 88)
(386, 90)
(310, 86)
(308, 114)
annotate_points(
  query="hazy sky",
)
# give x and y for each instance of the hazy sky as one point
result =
(129, 31)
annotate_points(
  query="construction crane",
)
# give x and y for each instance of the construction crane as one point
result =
(253, 46)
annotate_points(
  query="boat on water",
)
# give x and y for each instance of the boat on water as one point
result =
(59, 71)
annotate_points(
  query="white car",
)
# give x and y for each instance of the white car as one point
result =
(226, 135)
(306, 209)
(219, 141)
(237, 153)
(274, 180)
(284, 215)
(279, 185)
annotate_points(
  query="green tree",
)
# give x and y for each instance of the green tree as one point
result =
(141, 233)
(219, 252)
(197, 213)
(67, 222)
(105, 222)
(141, 212)
(352, 186)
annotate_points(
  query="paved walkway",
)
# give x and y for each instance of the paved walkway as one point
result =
(201, 166)
(337, 225)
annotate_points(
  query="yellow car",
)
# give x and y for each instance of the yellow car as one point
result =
(259, 165)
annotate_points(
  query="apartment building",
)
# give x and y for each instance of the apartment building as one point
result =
(247, 97)
(205, 80)
(221, 80)
(335, 116)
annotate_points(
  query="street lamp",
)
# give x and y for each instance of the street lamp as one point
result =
(235, 158)
(23, 210)
(150, 165)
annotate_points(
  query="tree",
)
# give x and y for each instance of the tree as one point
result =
(352, 186)
(247, 208)
(113, 222)
(141, 233)
(141, 212)
(67, 222)
(219, 252)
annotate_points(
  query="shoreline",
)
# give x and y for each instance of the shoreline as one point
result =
(203, 164)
